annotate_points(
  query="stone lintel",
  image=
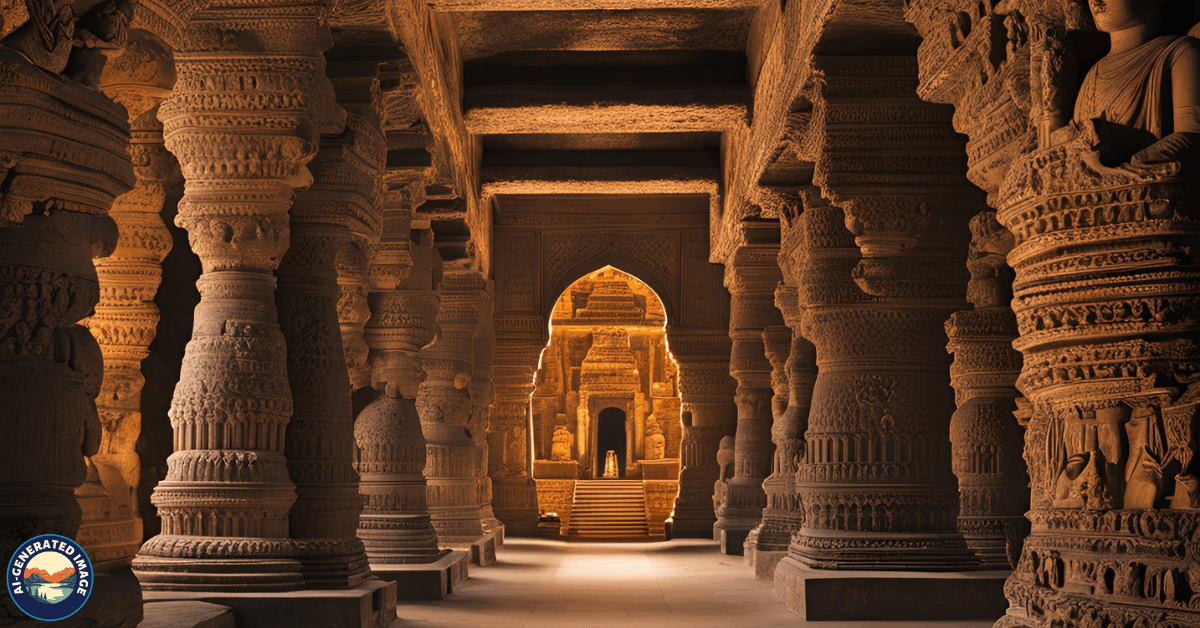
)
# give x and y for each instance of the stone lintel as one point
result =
(371, 604)
(837, 595)
(426, 581)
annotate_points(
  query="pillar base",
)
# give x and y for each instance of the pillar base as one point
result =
(835, 595)
(372, 604)
(762, 562)
(731, 536)
(692, 525)
(426, 581)
(481, 550)
(187, 615)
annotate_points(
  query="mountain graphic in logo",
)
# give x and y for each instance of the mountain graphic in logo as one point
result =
(40, 576)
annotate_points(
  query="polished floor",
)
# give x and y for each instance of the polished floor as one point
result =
(686, 583)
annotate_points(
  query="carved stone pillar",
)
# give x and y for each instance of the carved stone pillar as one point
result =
(793, 364)
(320, 444)
(126, 317)
(63, 161)
(883, 274)
(751, 277)
(519, 342)
(243, 122)
(396, 526)
(985, 437)
(709, 414)
(444, 402)
(1106, 297)
(483, 395)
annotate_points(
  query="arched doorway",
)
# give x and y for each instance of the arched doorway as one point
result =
(611, 436)
(606, 381)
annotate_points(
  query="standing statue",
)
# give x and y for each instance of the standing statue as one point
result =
(656, 444)
(560, 450)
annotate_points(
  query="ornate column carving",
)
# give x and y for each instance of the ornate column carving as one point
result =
(243, 122)
(793, 364)
(709, 414)
(395, 525)
(444, 401)
(519, 342)
(985, 438)
(320, 446)
(1106, 296)
(483, 395)
(126, 317)
(63, 161)
(883, 274)
(751, 276)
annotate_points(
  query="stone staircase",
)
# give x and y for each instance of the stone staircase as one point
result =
(608, 509)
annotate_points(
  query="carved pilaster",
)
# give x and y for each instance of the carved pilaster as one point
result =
(751, 277)
(344, 199)
(244, 122)
(444, 401)
(63, 161)
(709, 414)
(482, 396)
(519, 342)
(793, 364)
(126, 317)
(883, 273)
(395, 525)
(985, 437)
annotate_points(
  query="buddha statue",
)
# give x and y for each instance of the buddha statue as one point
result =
(1144, 96)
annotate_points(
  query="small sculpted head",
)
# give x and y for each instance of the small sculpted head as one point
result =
(1117, 15)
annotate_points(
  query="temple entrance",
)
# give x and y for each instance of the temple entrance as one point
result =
(610, 436)
(607, 381)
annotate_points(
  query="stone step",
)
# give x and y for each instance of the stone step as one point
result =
(608, 509)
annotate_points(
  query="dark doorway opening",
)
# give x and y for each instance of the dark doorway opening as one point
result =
(610, 434)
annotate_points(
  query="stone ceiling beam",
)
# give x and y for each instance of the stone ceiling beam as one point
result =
(429, 41)
(514, 109)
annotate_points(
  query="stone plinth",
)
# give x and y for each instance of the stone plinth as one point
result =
(846, 595)
(667, 469)
(371, 604)
(426, 581)
(557, 469)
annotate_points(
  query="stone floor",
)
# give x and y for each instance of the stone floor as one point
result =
(688, 583)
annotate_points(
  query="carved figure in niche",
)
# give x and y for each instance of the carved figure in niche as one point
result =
(1095, 451)
(99, 34)
(514, 452)
(725, 455)
(656, 444)
(560, 450)
(1144, 96)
